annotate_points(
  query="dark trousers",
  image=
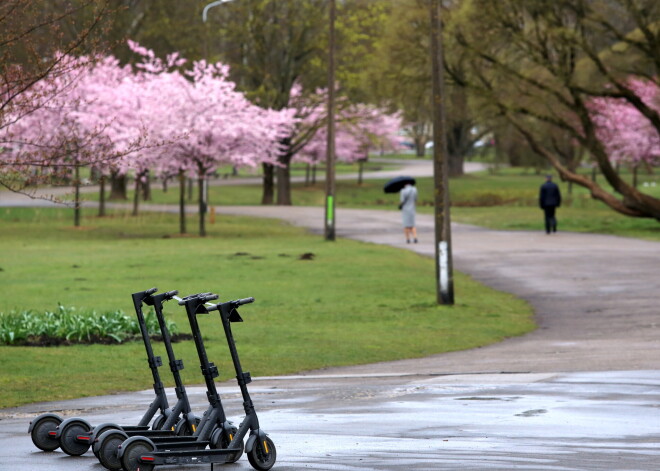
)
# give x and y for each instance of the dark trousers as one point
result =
(550, 220)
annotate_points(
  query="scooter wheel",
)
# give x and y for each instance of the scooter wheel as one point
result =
(132, 452)
(158, 422)
(182, 427)
(263, 454)
(219, 439)
(107, 446)
(40, 430)
(68, 441)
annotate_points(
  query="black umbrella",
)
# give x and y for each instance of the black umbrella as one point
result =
(396, 184)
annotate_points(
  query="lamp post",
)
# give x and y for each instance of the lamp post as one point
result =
(443, 254)
(329, 223)
(211, 5)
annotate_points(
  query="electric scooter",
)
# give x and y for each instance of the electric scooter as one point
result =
(140, 453)
(50, 431)
(213, 431)
(106, 437)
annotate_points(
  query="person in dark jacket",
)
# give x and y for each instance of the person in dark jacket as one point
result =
(549, 201)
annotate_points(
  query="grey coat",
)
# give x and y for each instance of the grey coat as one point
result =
(408, 197)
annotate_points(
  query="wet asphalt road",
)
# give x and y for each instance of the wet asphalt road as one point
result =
(575, 421)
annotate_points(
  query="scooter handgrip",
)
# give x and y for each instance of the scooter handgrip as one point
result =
(240, 302)
(190, 296)
(209, 297)
(171, 294)
(151, 291)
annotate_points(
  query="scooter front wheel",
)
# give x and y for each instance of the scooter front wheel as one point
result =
(262, 455)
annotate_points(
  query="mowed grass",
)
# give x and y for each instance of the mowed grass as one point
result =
(352, 303)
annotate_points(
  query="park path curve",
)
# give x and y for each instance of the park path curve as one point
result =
(595, 296)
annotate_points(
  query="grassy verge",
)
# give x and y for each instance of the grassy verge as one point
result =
(352, 303)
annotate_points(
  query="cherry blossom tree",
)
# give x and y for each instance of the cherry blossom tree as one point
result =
(70, 123)
(360, 129)
(627, 135)
(217, 124)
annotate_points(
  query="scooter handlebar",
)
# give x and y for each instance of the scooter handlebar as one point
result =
(235, 303)
(150, 291)
(171, 294)
(240, 302)
(191, 296)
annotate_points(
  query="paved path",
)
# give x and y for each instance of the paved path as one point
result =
(579, 393)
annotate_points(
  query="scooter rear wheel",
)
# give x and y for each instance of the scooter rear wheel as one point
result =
(68, 441)
(219, 439)
(40, 436)
(158, 422)
(132, 452)
(182, 427)
(263, 454)
(98, 433)
(107, 449)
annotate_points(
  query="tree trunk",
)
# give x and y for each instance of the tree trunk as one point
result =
(283, 186)
(182, 202)
(118, 184)
(76, 199)
(308, 172)
(102, 196)
(145, 185)
(268, 196)
(360, 171)
(202, 206)
(314, 175)
(420, 146)
(136, 195)
(456, 164)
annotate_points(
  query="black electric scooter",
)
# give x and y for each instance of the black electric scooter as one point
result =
(214, 430)
(50, 431)
(107, 436)
(142, 454)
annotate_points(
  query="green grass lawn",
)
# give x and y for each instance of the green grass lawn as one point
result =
(352, 303)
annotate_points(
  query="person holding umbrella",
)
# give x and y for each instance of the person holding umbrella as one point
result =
(408, 204)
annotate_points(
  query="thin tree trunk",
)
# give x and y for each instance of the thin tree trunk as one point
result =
(268, 196)
(102, 196)
(76, 201)
(182, 202)
(314, 174)
(308, 171)
(283, 186)
(360, 171)
(146, 186)
(202, 206)
(136, 195)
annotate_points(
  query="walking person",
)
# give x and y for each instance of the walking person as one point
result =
(408, 206)
(549, 201)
